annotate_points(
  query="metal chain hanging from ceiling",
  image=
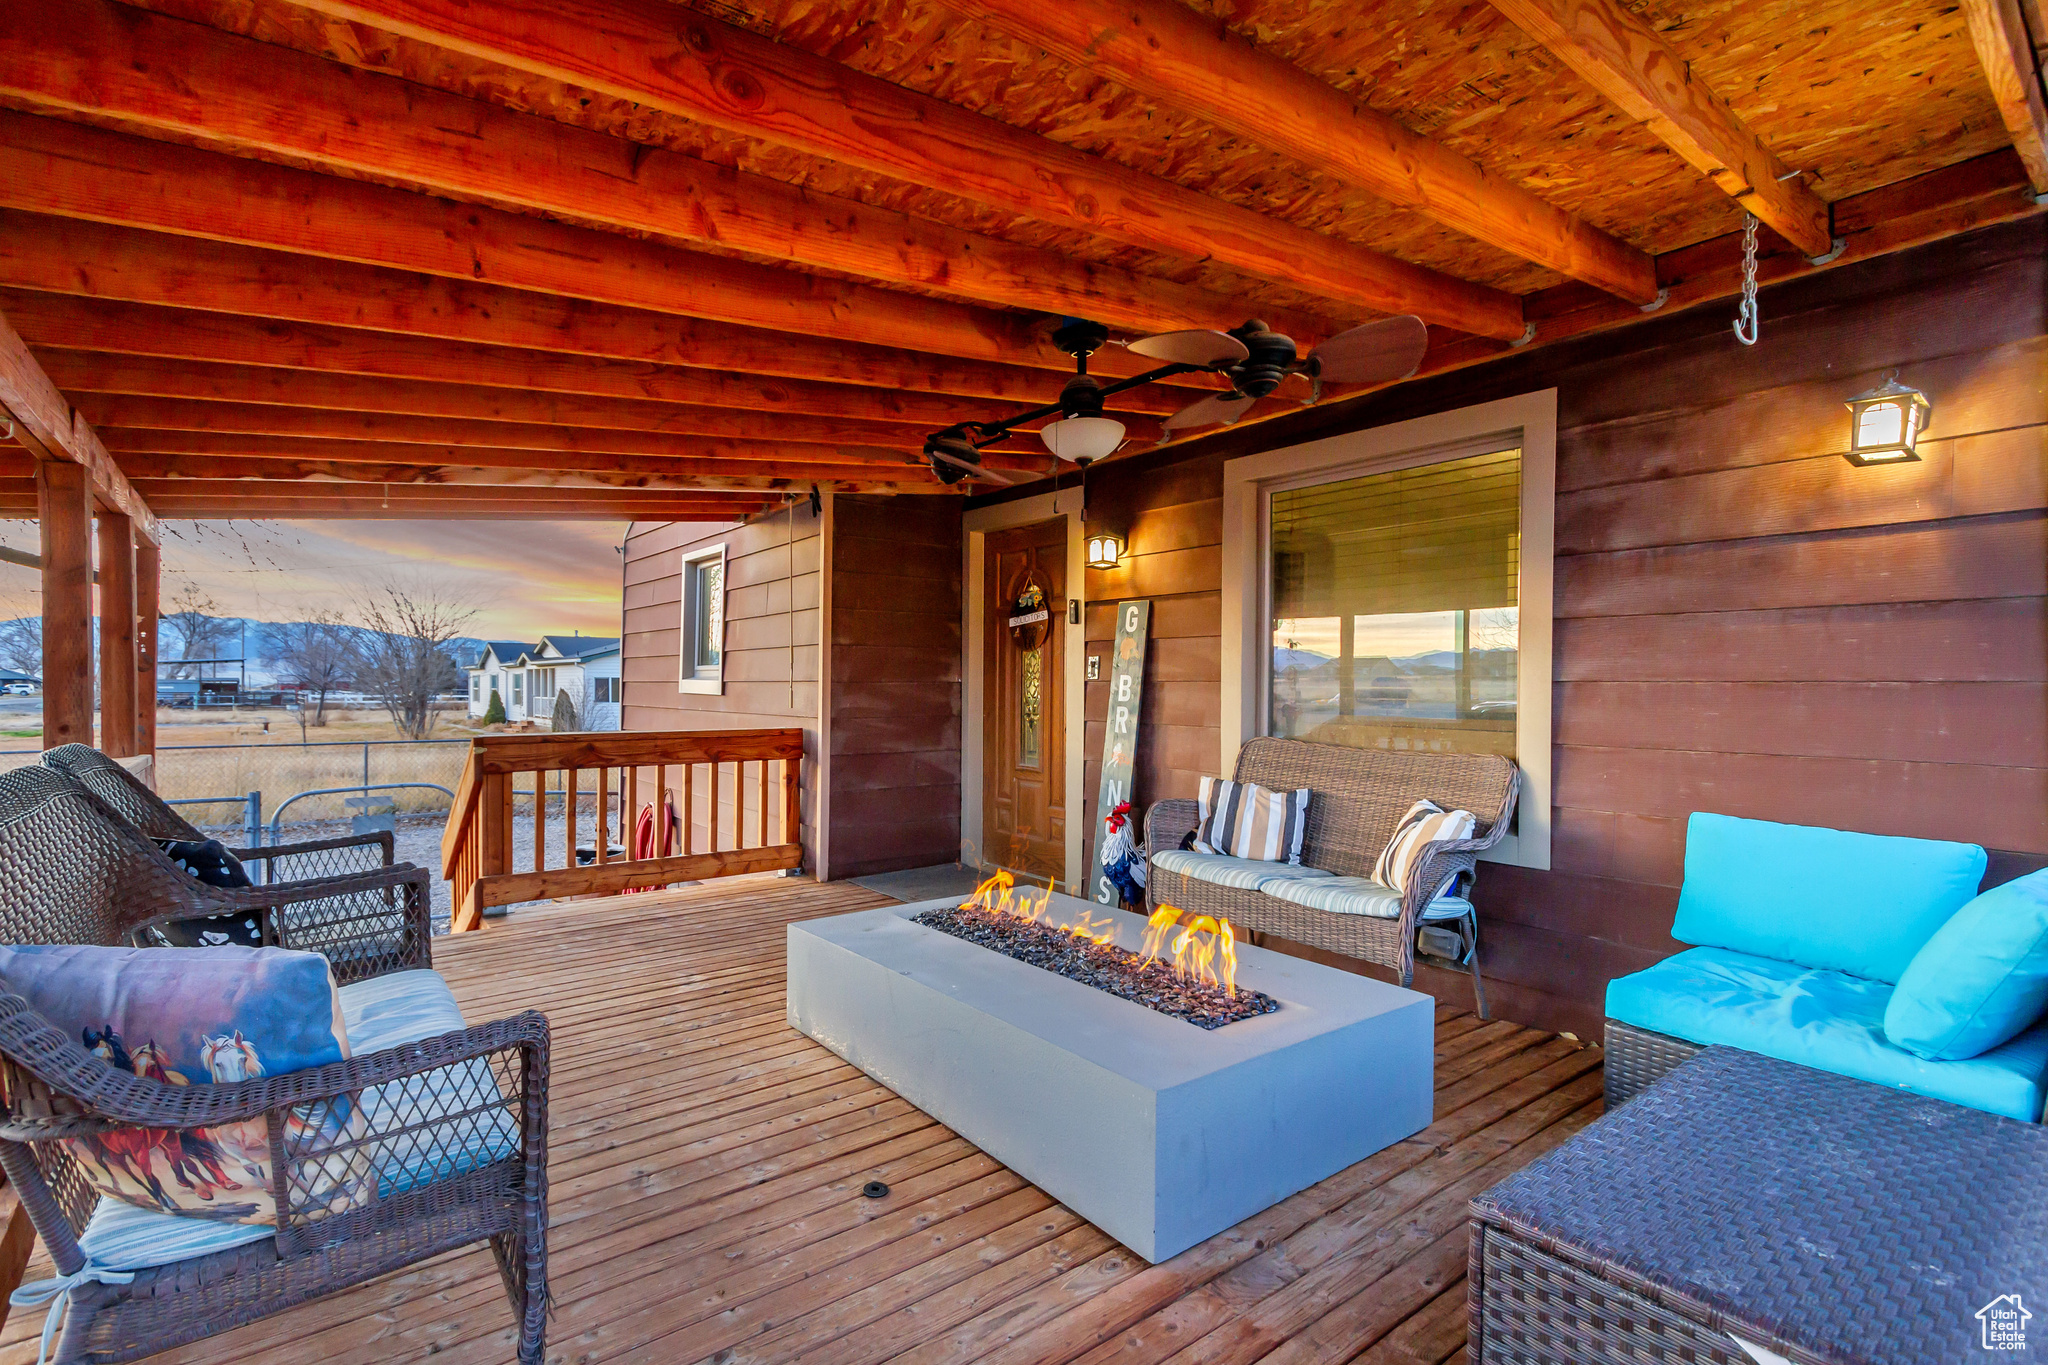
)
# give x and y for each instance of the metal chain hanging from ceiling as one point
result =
(1746, 316)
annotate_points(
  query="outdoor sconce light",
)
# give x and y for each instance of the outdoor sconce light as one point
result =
(1104, 551)
(1885, 423)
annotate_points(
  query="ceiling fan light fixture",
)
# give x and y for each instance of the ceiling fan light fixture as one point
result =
(1082, 439)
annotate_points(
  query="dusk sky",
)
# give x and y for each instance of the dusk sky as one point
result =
(526, 578)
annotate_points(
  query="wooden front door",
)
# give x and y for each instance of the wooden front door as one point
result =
(1024, 604)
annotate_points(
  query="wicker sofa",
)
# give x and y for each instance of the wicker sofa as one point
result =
(1359, 797)
(453, 1126)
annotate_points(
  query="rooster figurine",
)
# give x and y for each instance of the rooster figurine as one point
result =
(1123, 862)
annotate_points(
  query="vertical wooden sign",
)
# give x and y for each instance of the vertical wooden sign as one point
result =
(1120, 736)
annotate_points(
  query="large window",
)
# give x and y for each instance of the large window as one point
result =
(1390, 588)
(1393, 618)
(703, 634)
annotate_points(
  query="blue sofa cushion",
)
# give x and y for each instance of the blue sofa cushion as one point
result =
(1827, 1020)
(1982, 978)
(455, 1119)
(1856, 903)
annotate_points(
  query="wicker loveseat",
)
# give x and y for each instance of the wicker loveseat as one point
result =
(1358, 798)
(336, 857)
(452, 1125)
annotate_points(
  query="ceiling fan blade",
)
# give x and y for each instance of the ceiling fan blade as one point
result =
(1197, 347)
(979, 471)
(1223, 408)
(1373, 354)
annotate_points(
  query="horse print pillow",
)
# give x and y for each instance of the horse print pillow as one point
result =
(199, 1016)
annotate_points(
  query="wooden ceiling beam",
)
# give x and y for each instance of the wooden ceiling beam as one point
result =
(183, 493)
(681, 432)
(2009, 54)
(686, 454)
(1186, 60)
(669, 58)
(807, 462)
(663, 476)
(93, 260)
(370, 508)
(636, 430)
(43, 420)
(1616, 51)
(181, 352)
(169, 75)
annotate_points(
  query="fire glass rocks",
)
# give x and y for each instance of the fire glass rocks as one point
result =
(1159, 1134)
(1147, 981)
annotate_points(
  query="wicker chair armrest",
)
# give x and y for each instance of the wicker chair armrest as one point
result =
(348, 919)
(1168, 822)
(227, 899)
(105, 1095)
(383, 837)
(1440, 860)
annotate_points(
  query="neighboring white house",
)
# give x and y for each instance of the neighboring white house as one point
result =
(528, 677)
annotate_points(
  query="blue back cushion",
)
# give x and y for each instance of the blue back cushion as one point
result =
(1982, 978)
(1825, 898)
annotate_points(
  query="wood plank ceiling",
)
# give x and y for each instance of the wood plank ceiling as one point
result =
(635, 258)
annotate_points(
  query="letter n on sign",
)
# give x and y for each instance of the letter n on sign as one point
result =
(1120, 735)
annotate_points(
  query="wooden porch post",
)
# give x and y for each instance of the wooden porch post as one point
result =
(64, 513)
(148, 602)
(117, 634)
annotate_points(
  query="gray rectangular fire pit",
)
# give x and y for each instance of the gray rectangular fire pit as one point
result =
(1158, 1132)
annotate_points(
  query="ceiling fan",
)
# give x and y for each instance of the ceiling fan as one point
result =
(1255, 359)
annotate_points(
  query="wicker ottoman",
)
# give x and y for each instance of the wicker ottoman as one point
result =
(1816, 1218)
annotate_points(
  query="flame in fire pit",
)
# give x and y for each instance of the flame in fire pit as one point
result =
(1205, 950)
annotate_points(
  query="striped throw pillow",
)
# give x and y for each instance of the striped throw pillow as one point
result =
(1425, 823)
(1244, 820)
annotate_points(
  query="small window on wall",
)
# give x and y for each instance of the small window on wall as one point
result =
(605, 691)
(518, 688)
(476, 687)
(1394, 617)
(703, 634)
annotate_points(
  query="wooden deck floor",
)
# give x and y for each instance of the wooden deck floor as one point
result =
(707, 1160)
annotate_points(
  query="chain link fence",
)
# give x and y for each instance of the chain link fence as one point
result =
(279, 771)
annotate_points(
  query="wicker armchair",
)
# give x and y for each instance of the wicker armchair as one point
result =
(1359, 798)
(150, 813)
(71, 859)
(453, 1129)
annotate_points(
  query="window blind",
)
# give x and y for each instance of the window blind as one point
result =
(1437, 537)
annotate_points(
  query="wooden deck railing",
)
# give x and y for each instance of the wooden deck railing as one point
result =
(623, 772)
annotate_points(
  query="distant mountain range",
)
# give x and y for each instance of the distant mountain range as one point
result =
(259, 637)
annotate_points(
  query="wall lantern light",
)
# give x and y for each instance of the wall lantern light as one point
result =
(1104, 551)
(1886, 422)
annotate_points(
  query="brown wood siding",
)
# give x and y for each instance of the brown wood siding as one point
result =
(1744, 622)
(895, 693)
(770, 655)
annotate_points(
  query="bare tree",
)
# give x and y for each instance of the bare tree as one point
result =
(199, 630)
(21, 645)
(317, 657)
(402, 656)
